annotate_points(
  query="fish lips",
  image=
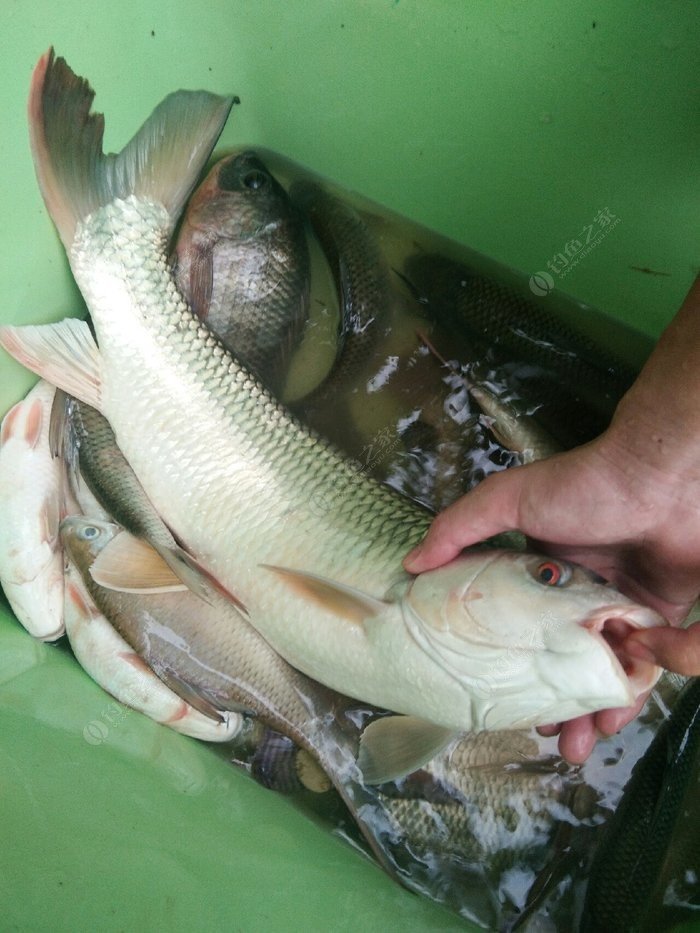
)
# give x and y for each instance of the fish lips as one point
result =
(611, 625)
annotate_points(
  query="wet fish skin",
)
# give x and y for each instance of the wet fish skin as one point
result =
(108, 659)
(106, 472)
(210, 649)
(250, 510)
(362, 282)
(93, 459)
(651, 830)
(31, 561)
(502, 326)
(499, 793)
(242, 262)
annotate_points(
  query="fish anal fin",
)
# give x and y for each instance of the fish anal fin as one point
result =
(197, 578)
(342, 600)
(65, 354)
(130, 565)
(394, 746)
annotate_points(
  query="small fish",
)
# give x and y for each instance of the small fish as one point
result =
(111, 663)
(310, 548)
(242, 262)
(94, 459)
(31, 560)
(513, 428)
(650, 847)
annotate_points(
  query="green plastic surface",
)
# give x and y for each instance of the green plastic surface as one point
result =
(507, 126)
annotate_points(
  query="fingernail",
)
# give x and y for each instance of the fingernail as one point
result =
(413, 555)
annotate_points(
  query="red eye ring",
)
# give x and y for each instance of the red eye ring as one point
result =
(549, 573)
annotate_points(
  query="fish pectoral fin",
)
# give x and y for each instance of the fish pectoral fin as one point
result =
(65, 354)
(394, 746)
(130, 565)
(190, 694)
(345, 601)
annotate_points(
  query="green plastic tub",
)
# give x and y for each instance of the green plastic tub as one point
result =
(506, 126)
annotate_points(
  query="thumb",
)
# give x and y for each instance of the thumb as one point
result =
(676, 649)
(488, 510)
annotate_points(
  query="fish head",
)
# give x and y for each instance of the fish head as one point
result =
(538, 640)
(239, 199)
(84, 538)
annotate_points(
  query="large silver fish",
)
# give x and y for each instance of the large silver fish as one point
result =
(494, 640)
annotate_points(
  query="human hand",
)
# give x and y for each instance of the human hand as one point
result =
(621, 518)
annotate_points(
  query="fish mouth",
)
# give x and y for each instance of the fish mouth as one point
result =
(611, 625)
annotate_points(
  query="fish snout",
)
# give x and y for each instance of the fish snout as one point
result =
(612, 624)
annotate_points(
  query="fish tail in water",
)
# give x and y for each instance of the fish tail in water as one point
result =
(161, 163)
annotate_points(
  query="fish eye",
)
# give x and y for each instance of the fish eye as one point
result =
(255, 180)
(552, 573)
(89, 533)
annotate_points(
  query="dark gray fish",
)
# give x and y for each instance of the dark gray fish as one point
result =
(241, 260)
(649, 854)
(502, 327)
(362, 281)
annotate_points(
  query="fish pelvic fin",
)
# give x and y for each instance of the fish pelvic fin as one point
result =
(394, 746)
(65, 354)
(346, 601)
(161, 163)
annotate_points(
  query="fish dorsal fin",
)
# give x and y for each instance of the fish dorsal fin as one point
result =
(65, 354)
(130, 565)
(346, 601)
(161, 163)
(394, 746)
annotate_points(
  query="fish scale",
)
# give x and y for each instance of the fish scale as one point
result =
(282, 466)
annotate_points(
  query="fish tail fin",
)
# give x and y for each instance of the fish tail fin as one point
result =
(161, 163)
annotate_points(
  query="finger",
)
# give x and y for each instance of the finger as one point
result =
(485, 511)
(554, 728)
(577, 738)
(610, 721)
(676, 649)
